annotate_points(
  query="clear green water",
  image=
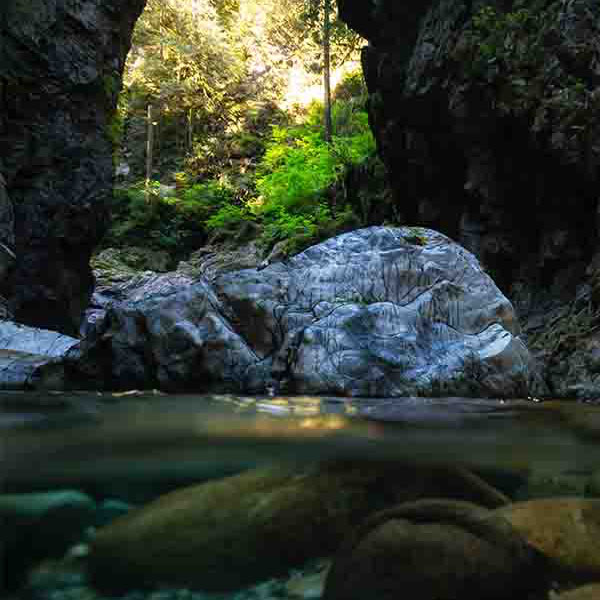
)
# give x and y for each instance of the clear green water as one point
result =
(136, 447)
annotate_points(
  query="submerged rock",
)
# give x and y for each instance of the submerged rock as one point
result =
(566, 530)
(376, 312)
(39, 525)
(435, 550)
(225, 534)
(32, 358)
(587, 592)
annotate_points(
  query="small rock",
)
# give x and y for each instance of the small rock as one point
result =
(307, 586)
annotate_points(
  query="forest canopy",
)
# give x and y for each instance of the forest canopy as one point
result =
(232, 92)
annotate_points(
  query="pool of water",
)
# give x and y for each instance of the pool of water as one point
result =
(133, 448)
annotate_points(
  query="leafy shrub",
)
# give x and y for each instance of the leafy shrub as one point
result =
(203, 200)
(228, 218)
(352, 86)
(299, 165)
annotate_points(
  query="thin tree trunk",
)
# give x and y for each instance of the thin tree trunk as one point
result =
(327, 70)
(190, 130)
(149, 149)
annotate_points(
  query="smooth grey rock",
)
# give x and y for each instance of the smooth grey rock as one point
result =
(32, 358)
(376, 312)
(169, 332)
(381, 312)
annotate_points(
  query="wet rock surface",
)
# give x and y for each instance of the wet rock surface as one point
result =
(32, 358)
(40, 525)
(229, 533)
(436, 550)
(378, 311)
(565, 530)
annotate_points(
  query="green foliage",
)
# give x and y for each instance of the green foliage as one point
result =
(298, 171)
(299, 165)
(203, 200)
(416, 236)
(228, 218)
(509, 47)
(288, 184)
(143, 215)
(352, 87)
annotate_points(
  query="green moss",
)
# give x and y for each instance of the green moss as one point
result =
(416, 236)
(111, 84)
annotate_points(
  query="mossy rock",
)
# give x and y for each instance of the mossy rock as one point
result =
(566, 530)
(116, 264)
(229, 533)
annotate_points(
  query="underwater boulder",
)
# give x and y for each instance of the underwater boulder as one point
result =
(40, 525)
(435, 550)
(228, 533)
(566, 530)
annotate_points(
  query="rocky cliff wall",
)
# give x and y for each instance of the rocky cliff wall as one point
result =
(61, 63)
(486, 116)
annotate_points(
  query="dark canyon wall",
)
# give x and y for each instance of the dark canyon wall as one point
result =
(487, 116)
(61, 63)
(486, 121)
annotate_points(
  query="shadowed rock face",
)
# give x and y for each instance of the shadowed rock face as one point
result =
(375, 312)
(497, 151)
(505, 179)
(61, 63)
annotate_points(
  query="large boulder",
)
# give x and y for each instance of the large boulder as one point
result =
(376, 312)
(435, 550)
(61, 63)
(228, 533)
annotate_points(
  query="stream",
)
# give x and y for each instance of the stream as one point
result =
(135, 447)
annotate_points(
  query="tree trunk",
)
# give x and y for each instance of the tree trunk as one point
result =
(149, 149)
(327, 70)
(190, 130)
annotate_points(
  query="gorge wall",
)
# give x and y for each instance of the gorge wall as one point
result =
(61, 63)
(486, 116)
